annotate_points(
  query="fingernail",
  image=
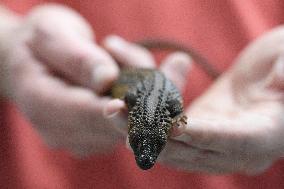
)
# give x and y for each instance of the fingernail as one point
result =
(181, 59)
(114, 42)
(113, 107)
(103, 76)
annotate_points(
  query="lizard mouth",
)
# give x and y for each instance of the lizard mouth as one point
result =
(145, 162)
(147, 152)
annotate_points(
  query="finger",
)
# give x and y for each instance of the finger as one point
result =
(260, 168)
(176, 67)
(186, 157)
(229, 163)
(128, 54)
(113, 107)
(71, 18)
(260, 56)
(90, 145)
(81, 143)
(202, 133)
(200, 168)
(115, 112)
(70, 53)
(218, 163)
(275, 79)
(227, 135)
(34, 87)
(205, 160)
(190, 158)
(176, 151)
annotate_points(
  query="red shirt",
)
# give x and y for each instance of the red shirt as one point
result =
(218, 29)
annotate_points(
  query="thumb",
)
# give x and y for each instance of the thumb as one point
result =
(176, 67)
(114, 111)
(275, 79)
(64, 43)
(128, 54)
(222, 134)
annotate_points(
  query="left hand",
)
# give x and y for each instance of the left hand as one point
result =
(238, 124)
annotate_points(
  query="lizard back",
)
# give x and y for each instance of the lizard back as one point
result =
(153, 102)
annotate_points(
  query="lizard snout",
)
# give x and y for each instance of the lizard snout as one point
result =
(145, 161)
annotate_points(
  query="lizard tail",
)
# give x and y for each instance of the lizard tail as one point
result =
(165, 44)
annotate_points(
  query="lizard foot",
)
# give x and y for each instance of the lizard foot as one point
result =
(178, 124)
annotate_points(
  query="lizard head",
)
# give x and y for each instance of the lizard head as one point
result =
(146, 149)
(147, 144)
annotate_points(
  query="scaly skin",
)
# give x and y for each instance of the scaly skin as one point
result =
(154, 105)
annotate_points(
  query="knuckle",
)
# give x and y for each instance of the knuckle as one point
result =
(62, 16)
(87, 100)
(82, 67)
(42, 29)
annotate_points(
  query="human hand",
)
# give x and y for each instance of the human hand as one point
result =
(238, 124)
(55, 74)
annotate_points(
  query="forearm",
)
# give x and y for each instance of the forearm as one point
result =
(8, 21)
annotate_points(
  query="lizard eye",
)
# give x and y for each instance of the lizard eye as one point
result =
(174, 107)
(130, 100)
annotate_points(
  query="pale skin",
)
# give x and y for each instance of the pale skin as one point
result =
(55, 73)
(240, 130)
(238, 124)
